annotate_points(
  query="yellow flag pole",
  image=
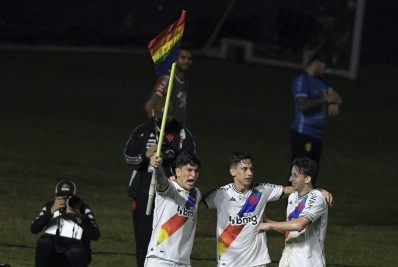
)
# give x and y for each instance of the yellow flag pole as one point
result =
(151, 194)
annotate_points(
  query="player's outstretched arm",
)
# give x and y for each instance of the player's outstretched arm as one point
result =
(287, 190)
(161, 179)
(293, 225)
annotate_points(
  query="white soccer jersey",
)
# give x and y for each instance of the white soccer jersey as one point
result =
(174, 223)
(306, 248)
(238, 215)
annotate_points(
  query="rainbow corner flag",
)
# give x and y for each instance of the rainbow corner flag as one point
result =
(165, 47)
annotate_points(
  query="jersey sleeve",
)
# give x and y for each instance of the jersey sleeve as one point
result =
(272, 191)
(89, 225)
(42, 219)
(314, 208)
(169, 192)
(134, 152)
(211, 198)
(161, 85)
(300, 87)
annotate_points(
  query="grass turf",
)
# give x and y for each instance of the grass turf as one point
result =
(65, 114)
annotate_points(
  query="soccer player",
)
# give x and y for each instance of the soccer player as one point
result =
(175, 213)
(307, 213)
(140, 147)
(240, 208)
(179, 94)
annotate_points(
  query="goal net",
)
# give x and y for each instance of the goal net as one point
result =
(287, 33)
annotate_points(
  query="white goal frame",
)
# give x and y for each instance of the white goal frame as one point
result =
(246, 47)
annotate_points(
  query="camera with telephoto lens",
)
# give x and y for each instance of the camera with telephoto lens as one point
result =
(74, 202)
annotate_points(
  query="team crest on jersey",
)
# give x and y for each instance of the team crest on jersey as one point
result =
(253, 200)
(308, 147)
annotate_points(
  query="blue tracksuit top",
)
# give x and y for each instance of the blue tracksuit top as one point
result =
(310, 122)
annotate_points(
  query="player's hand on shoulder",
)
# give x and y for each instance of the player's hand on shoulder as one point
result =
(328, 196)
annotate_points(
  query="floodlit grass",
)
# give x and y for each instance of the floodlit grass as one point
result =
(68, 115)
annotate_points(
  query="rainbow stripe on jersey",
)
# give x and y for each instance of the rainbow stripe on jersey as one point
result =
(232, 231)
(176, 221)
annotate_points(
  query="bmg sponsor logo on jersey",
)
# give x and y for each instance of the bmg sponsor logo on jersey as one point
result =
(245, 219)
(183, 211)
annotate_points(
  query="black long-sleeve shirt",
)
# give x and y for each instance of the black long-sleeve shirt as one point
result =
(90, 228)
(177, 139)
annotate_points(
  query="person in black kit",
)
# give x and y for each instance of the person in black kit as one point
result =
(69, 227)
(140, 147)
(179, 94)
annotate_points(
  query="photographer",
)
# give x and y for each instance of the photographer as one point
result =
(140, 147)
(68, 225)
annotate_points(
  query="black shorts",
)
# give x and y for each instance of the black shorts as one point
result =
(303, 145)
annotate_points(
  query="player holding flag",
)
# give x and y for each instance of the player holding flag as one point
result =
(175, 213)
(164, 50)
(167, 134)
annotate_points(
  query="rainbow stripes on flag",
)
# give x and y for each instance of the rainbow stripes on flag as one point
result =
(165, 47)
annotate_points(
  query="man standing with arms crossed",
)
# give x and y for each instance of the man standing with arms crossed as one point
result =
(240, 208)
(179, 93)
(306, 222)
(312, 98)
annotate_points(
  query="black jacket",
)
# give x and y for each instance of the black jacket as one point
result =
(89, 226)
(176, 140)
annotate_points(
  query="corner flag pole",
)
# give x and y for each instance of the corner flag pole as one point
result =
(160, 142)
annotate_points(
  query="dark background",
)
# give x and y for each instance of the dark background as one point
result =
(131, 24)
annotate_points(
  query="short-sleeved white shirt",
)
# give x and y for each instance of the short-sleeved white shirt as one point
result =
(238, 215)
(174, 224)
(306, 248)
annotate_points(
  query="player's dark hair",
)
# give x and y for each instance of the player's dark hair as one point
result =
(323, 56)
(306, 167)
(237, 157)
(185, 46)
(185, 158)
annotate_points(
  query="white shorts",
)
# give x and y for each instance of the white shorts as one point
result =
(298, 258)
(158, 262)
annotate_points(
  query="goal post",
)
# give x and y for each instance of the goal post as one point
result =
(289, 34)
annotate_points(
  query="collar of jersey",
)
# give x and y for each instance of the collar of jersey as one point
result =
(305, 194)
(237, 191)
(180, 187)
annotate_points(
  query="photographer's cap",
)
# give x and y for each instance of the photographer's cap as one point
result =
(66, 188)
